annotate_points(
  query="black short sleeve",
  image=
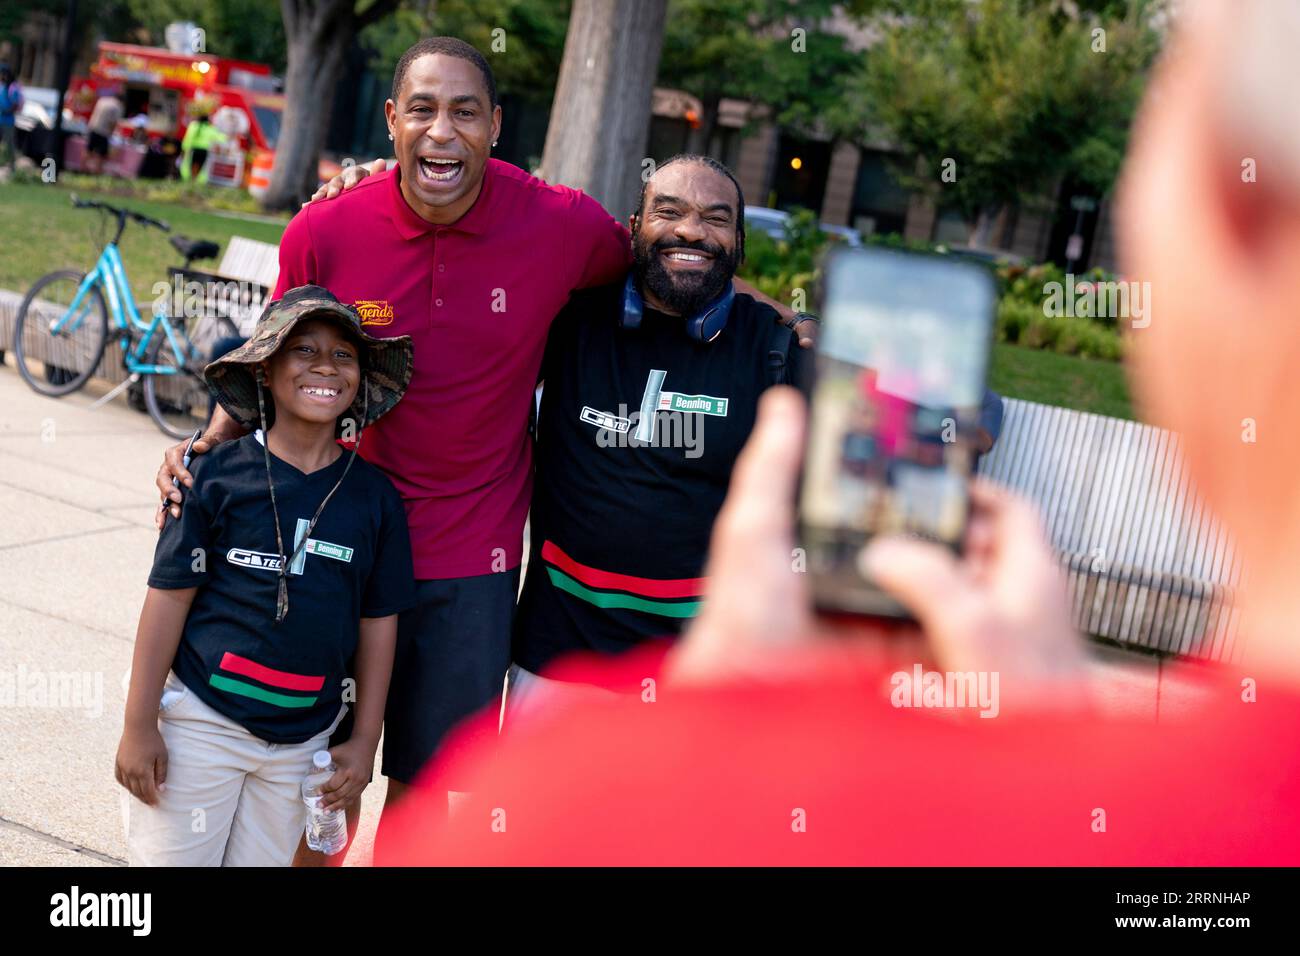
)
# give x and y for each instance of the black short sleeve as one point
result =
(560, 340)
(180, 560)
(391, 585)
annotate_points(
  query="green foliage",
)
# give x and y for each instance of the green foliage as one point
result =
(748, 50)
(1032, 285)
(190, 195)
(1014, 318)
(1072, 336)
(779, 266)
(534, 38)
(1015, 92)
(1022, 323)
(241, 29)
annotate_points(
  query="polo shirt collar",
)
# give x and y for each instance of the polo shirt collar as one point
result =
(409, 225)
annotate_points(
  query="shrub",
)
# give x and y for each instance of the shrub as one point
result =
(779, 266)
(1072, 336)
(1013, 318)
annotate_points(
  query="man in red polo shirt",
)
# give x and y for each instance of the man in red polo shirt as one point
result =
(472, 258)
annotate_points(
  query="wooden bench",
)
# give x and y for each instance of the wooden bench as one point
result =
(1147, 564)
(253, 267)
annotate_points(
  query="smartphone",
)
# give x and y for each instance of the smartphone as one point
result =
(895, 392)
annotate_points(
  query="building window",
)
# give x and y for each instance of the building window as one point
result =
(879, 202)
(668, 137)
(951, 228)
(802, 168)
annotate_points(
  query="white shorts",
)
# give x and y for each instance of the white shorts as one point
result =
(231, 798)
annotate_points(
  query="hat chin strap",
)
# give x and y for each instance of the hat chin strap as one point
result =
(282, 579)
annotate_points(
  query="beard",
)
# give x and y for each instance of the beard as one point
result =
(683, 293)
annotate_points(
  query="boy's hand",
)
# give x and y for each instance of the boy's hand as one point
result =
(356, 762)
(142, 763)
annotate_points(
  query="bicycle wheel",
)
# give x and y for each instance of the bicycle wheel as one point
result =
(57, 363)
(178, 401)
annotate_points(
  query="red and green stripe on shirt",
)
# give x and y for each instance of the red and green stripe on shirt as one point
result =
(668, 597)
(281, 680)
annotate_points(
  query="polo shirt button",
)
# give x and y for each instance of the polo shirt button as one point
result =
(437, 301)
(442, 267)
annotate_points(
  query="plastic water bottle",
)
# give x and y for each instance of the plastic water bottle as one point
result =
(327, 831)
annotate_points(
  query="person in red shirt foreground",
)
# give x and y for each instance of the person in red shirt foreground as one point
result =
(770, 737)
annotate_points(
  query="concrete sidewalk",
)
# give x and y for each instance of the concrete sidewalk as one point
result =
(76, 544)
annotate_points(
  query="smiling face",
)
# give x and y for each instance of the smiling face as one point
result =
(443, 126)
(684, 241)
(314, 375)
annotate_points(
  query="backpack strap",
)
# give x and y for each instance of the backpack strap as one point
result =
(778, 347)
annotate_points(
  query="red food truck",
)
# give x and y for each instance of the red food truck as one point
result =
(170, 89)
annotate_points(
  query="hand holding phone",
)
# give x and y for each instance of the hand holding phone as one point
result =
(894, 416)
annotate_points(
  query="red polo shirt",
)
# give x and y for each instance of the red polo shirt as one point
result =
(477, 297)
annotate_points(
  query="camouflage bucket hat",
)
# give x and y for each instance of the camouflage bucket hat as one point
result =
(386, 363)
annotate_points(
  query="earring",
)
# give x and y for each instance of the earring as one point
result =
(390, 135)
(494, 142)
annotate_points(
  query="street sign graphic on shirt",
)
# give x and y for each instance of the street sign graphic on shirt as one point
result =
(271, 562)
(655, 399)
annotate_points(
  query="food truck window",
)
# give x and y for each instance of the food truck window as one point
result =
(137, 100)
(269, 120)
(164, 109)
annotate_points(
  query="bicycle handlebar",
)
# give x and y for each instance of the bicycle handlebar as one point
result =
(122, 214)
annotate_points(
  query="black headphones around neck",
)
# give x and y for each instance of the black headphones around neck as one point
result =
(705, 326)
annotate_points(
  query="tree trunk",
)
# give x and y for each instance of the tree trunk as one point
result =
(601, 113)
(982, 234)
(318, 34)
(698, 141)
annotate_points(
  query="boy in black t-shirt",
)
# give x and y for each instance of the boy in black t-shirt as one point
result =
(273, 599)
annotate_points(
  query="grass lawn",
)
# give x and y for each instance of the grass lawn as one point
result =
(1089, 385)
(43, 232)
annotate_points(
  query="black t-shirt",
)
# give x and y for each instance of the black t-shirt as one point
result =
(623, 503)
(282, 682)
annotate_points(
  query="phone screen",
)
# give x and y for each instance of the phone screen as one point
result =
(895, 404)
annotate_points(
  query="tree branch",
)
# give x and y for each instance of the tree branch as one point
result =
(376, 11)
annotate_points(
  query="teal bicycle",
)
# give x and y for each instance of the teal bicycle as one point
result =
(61, 331)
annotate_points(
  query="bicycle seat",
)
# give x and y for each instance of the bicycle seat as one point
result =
(195, 248)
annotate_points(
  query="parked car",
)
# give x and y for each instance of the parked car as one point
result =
(772, 222)
(986, 257)
(38, 109)
(34, 124)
